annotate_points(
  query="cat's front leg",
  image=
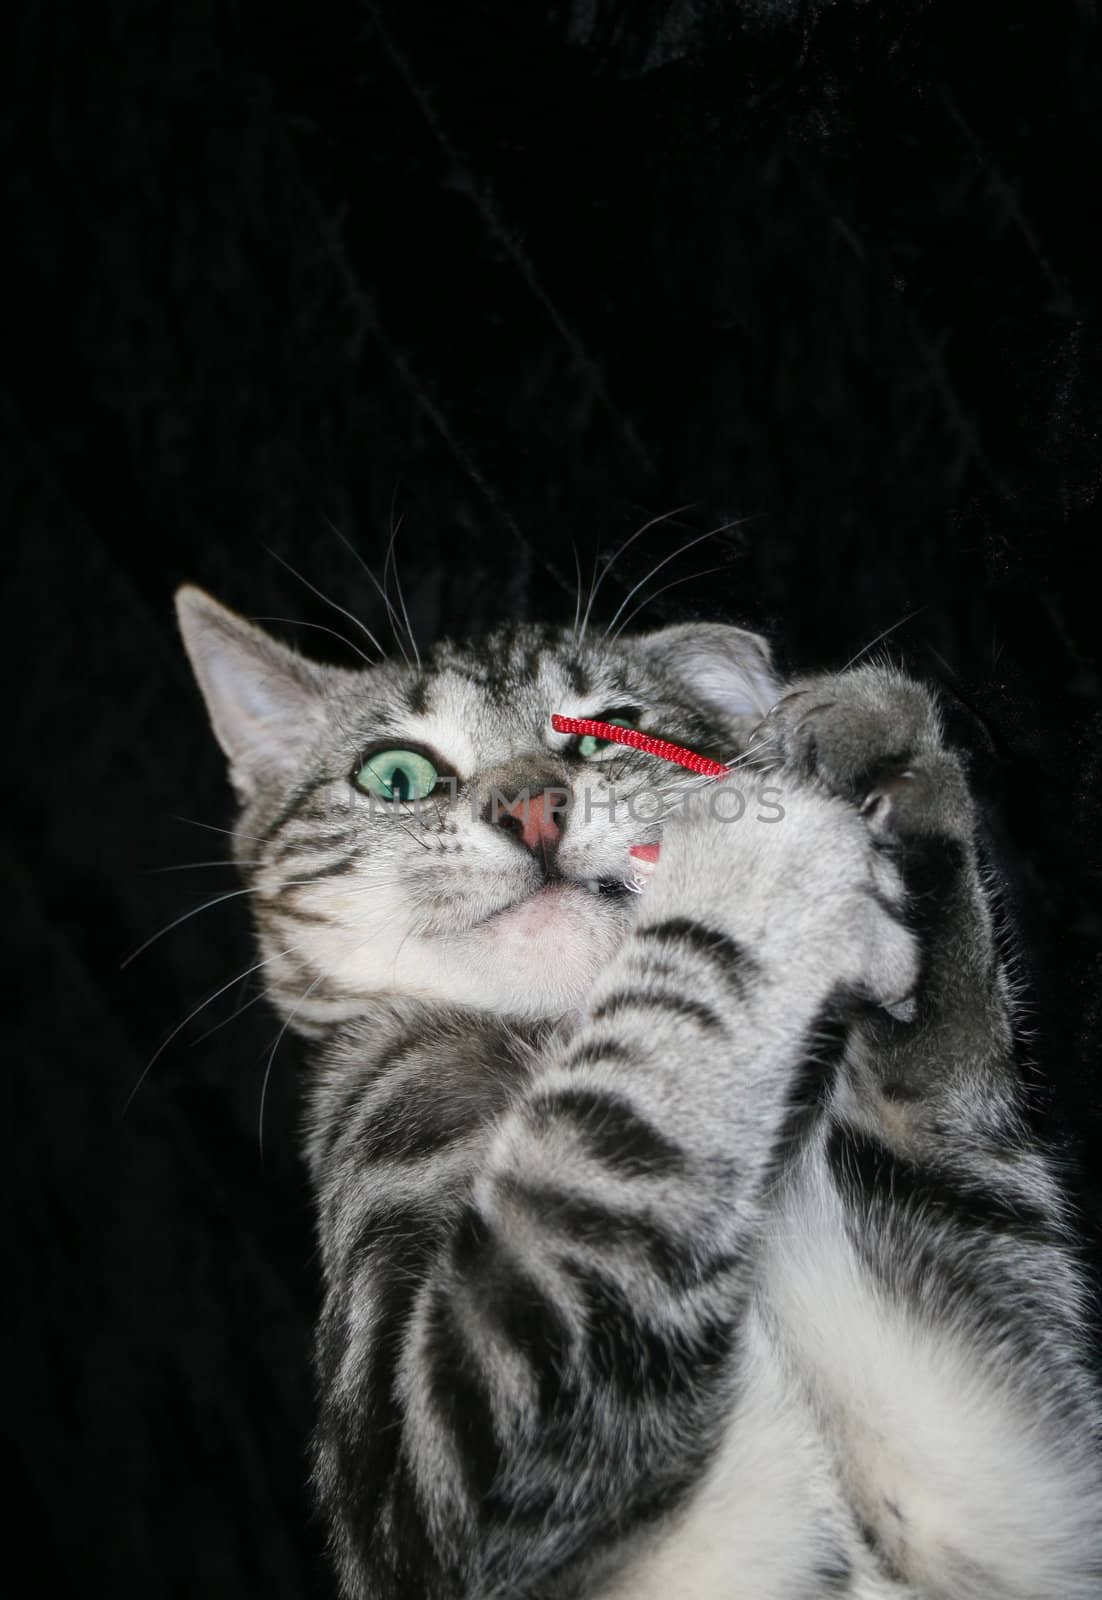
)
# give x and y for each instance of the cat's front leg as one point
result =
(874, 737)
(925, 1192)
(563, 1371)
(933, 1083)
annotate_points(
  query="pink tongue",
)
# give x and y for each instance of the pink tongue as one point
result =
(645, 852)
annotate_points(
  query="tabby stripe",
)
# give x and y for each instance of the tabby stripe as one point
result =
(412, 1569)
(355, 1094)
(395, 1238)
(657, 966)
(595, 1052)
(512, 1302)
(403, 1128)
(813, 1078)
(309, 844)
(832, 1576)
(277, 910)
(871, 1539)
(292, 808)
(630, 999)
(576, 676)
(391, 1134)
(368, 1433)
(593, 1224)
(864, 1168)
(336, 1119)
(733, 959)
(460, 1399)
(642, 1364)
(332, 870)
(613, 1132)
(417, 695)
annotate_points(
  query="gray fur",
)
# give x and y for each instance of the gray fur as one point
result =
(688, 1244)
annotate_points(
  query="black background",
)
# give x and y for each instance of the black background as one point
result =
(524, 276)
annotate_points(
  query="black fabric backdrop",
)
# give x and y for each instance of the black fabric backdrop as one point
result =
(521, 276)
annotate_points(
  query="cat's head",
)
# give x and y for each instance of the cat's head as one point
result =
(422, 830)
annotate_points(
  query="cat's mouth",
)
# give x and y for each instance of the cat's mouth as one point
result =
(598, 888)
(614, 887)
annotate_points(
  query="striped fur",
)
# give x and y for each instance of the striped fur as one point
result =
(684, 1245)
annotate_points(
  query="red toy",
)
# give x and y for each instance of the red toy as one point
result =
(662, 748)
(644, 856)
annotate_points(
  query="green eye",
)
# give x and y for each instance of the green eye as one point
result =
(589, 747)
(397, 775)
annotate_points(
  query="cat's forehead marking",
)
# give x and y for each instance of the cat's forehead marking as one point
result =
(514, 659)
(481, 703)
(475, 726)
(515, 666)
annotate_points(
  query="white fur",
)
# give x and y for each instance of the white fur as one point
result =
(906, 1416)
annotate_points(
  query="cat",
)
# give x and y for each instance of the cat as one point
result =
(681, 1244)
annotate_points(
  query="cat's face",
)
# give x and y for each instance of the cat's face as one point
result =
(424, 831)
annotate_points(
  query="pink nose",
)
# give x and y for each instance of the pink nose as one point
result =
(532, 820)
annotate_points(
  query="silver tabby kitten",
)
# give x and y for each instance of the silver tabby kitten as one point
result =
(680, 1245)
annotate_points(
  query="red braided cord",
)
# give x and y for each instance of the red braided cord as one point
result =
(662, 748)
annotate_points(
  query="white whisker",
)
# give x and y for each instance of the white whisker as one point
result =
(232, 894)
(853, 660)
(344, 611)
(578, 591)
(298, 622)
(235, 894)
(189, 866)
(211, 998)
(230, 833)
(664, 516)
(651, 598)
(303, 997)
(223, 1022)
(392, 561)
(680, 551)
(392, 615)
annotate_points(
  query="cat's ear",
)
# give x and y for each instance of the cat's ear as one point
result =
(726, 667)
(265, 702)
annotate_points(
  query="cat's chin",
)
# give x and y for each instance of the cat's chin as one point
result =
(542, 954)
(535, 958)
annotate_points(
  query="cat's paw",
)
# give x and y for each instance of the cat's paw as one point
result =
(872, 737)
(808, 894)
